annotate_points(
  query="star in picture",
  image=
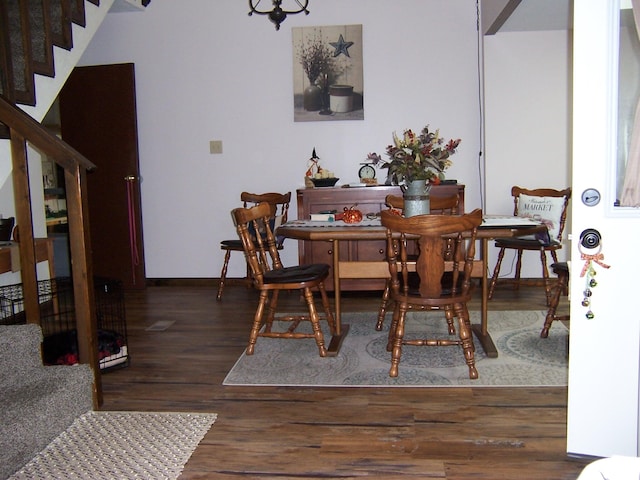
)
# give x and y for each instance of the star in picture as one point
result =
(341, 47)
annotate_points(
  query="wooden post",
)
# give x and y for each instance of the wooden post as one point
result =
(25, 223)
(82, 273)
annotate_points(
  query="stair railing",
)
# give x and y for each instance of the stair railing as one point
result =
(23, 129)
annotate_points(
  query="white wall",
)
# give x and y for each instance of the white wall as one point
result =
(528, 118)
(206, 70)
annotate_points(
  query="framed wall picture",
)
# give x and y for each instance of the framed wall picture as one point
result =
(327, 73)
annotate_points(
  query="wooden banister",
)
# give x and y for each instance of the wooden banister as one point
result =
(23, 129)
(65, 155)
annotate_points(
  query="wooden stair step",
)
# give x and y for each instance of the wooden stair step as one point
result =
(60, 14)
(41, 44)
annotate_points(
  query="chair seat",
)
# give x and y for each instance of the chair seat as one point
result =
(231, 244)
(446, 282)
(526, 243)
(297, 274)
(560, 267)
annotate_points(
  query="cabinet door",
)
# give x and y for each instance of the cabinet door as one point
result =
(369, 250)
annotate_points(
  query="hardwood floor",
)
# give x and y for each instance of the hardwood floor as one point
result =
(449, 433)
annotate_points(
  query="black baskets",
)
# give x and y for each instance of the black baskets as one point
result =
(58, 321)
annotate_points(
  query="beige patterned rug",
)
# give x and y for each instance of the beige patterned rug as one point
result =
(121, 445)
(524, 359)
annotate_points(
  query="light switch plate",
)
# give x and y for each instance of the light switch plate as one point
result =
(215, 146)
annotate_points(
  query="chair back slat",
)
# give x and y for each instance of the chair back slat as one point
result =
(557, 227)
(254, 229)
(444, 242)
(280, 201)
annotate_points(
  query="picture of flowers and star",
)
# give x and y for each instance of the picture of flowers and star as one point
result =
(327, 73)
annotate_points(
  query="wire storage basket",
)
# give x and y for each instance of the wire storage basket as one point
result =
(58, 320)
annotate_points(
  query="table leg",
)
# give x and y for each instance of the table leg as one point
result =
(341, 330)
(482, 331)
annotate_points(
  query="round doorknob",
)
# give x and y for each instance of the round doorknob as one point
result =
(590, 238)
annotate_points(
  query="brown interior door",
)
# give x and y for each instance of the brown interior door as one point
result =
(98, 118)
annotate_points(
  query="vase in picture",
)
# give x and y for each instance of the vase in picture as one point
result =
(416, 198)
(312, 97)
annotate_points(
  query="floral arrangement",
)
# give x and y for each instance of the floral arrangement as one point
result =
(315, 58)
(417, 157)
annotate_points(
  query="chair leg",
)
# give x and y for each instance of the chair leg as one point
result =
(271, 309)
(315, 322)
(448, 314)
(382, 310)
(558, 289)
(398, 335)
(223, 274)
(392, 328)
(545, 276)
(466, 337)
(257, 322)
(496, 273)
(327, 308)
(516, 278)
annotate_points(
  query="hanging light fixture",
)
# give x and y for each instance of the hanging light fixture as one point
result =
(278, 15)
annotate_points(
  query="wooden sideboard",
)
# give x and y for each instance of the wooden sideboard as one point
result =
(367, 200)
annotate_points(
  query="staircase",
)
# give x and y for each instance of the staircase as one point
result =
(40, 43)
(42, 40)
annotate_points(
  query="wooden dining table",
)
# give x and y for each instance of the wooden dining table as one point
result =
(371, 229)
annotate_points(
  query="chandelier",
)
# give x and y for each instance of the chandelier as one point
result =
(278, 15)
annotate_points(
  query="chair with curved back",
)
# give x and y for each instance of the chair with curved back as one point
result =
(446, 205)
(281, 202)
(444, 267)
(270, 277)
(547, 205)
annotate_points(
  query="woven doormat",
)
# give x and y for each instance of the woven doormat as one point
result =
(121, 445)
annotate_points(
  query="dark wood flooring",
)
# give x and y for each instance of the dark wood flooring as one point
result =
(289, 433)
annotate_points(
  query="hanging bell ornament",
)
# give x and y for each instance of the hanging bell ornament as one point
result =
(593, 283)
(590, 315)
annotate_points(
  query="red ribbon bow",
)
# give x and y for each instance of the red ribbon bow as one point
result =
(598, 257)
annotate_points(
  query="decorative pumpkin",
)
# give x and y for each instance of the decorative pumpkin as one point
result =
(351, 215)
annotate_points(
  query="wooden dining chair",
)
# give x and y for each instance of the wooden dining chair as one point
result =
(561, 287)
(269, 277)
(446, 205)
(444, 266)
(550, 207)
(281, 203)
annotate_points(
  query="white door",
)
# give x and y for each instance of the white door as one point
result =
(604, 350)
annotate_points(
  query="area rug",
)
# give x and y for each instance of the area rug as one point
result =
(121, 445)
(524, 359)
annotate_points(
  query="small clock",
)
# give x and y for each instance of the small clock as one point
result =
(591, 197)
(367, 172)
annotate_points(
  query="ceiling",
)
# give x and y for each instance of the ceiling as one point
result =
(536, 15)
(526, 15)
(126, 6)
